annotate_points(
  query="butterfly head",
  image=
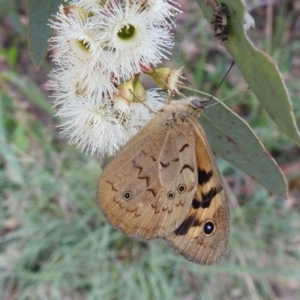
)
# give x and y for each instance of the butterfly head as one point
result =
(198, 103)
(180, 110)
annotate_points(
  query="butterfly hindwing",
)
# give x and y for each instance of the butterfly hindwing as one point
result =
(203, 235)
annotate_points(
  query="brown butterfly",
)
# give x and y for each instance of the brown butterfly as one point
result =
(219, 22)
(164, 183)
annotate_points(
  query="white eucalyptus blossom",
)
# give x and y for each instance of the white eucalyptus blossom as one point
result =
(130, 39)
(162, 12)
(69, 84)
(140, 113)
(89, 4)
(76, 41)
(99, 46)
(93, 127)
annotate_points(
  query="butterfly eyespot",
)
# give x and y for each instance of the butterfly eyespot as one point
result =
(127, 195)
(181, 188)
(209, 228)
(171, 195)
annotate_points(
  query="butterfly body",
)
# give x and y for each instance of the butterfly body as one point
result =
(164, 184)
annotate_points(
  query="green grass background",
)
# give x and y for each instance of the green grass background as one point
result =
(54, 241)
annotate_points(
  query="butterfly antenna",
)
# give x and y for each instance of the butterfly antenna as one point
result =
(211, 97)
(240, 92)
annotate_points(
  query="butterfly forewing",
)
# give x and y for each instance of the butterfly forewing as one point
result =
(148, 188)
(203, 235)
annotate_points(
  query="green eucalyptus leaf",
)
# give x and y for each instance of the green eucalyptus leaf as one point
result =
(233, 139)
(40, 11)
(258, 68)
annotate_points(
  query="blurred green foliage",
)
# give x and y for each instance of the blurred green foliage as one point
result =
(54, 241)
